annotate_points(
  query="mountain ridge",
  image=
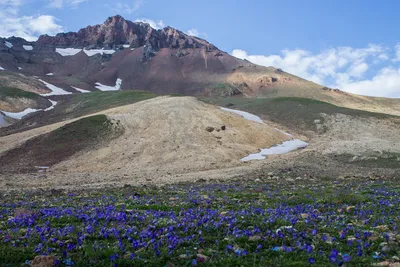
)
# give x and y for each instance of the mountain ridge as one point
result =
(118, 31)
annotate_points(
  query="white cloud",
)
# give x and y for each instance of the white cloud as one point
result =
(63, 3)
(124, 8)
(153, 23)
(385, 83)
(193, 32)
(28, 27)
(341, 67)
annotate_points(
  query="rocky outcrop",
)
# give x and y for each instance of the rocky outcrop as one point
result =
(116, 31)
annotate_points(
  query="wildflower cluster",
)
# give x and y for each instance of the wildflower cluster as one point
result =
(327, 223)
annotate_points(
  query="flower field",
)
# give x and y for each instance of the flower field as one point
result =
(263, 223)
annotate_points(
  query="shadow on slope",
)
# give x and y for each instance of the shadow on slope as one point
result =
(60, 144)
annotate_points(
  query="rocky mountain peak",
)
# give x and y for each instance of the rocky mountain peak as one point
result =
(116, 31)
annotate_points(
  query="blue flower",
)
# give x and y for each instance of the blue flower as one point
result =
(346, 257)
(311, 260)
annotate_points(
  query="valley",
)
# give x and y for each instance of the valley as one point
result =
(122, 144)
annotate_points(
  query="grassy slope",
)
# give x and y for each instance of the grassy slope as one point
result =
(294, 113)
(78, 105)
(82, 104)
(51, 148)
(6, 91)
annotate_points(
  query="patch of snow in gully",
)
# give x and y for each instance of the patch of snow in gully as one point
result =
(1, 68)
(283, 148)
(126, 46)
(19, 68)
(53, 104)
(8, 44)
(27, 47)
(50, 74)
(110, 88)
(244, 114)
(80, 90)
(55, 90)
(20, 115)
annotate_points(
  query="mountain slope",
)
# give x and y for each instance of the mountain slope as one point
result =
(164, 61)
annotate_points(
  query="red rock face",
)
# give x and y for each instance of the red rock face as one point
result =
(118, 31)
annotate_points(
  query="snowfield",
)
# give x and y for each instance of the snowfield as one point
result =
(103, 87)
(68, 51)
(244, 114)
(91, 52)
(20, 115)
(8, 44)
(27, 47)
(1, 68)
(55, 90)
(81, 90)
(283, 148)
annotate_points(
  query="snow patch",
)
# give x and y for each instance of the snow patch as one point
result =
(50, 74)
(244, 114)
(93, 52)
(126, 46)
(81, 90)
(20, 115)
(1, 68)
(132, 49)
(55, 90)
(27, 47)
(19, 68)
(283, 148)
(8, 44)
(117, 86)
(68, 51)
(53, 104)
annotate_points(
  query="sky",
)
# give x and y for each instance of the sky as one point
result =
(350, 45)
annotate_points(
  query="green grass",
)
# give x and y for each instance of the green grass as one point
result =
(292, 112)
(82, 104)
(371, 160)
(6, 92)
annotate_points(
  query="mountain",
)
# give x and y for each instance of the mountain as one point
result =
(57, 111)
(126, 55)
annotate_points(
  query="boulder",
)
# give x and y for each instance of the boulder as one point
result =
(43, 261)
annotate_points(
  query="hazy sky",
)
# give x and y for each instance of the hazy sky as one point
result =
(343, 44)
